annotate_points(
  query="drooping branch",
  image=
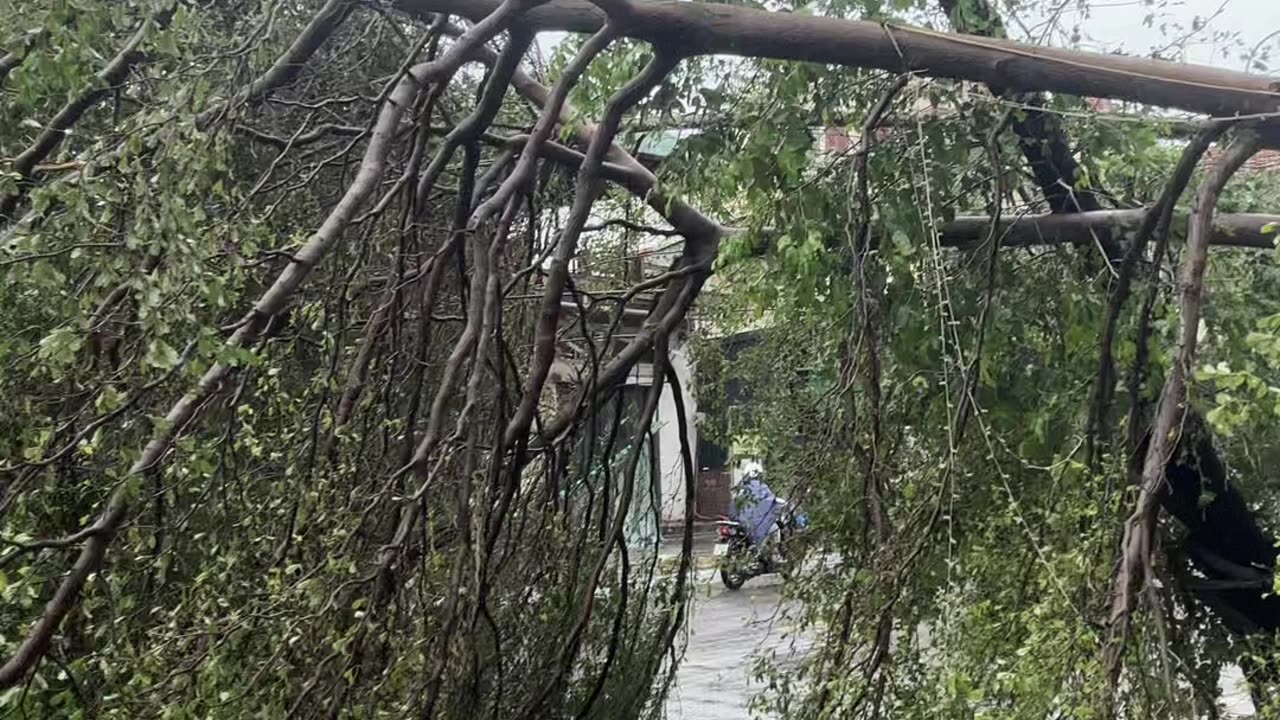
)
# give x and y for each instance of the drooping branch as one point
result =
(589, 183)
(466, 132)
(969, 402)
(1165, 432)
(433, 449)
(485, 302)
(702, 237)
(614, 536)
(621, 167)
(185, 411)
(427, 445)
(713, 28)
(864, 337)
(860, 361)
(420, 462)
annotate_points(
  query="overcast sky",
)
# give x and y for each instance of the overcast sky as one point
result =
(1234, 26)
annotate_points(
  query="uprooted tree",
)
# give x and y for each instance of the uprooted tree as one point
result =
(287, 290)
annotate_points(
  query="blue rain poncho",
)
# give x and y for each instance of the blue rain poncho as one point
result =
(756, 507)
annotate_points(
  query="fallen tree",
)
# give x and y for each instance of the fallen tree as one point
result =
(398, 508)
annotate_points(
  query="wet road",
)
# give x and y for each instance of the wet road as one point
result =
(731, 631)
(728, 633)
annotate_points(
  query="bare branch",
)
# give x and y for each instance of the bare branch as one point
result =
(317, 133)
(632, 226)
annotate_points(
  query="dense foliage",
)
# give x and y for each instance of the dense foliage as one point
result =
(253, 579)
(993, 572)
(385, 491)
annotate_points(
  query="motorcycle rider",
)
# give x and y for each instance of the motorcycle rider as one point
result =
(756, 506)
(758, 517)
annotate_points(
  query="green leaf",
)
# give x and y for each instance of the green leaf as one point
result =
(161, 354)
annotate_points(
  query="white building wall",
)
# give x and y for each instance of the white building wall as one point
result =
(670, 463)
(666, 430)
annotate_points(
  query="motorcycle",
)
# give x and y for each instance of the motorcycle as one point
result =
(741, 560)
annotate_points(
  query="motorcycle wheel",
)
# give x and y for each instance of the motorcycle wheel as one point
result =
(732, 579)
(731, 571)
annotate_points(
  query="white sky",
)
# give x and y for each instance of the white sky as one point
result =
(1234, 26)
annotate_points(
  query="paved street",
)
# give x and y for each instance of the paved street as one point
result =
(730, 630)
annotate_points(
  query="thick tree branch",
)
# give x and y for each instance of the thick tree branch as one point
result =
(965, 232)
(1243, 230)
(713, 28)
(1156, 221)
